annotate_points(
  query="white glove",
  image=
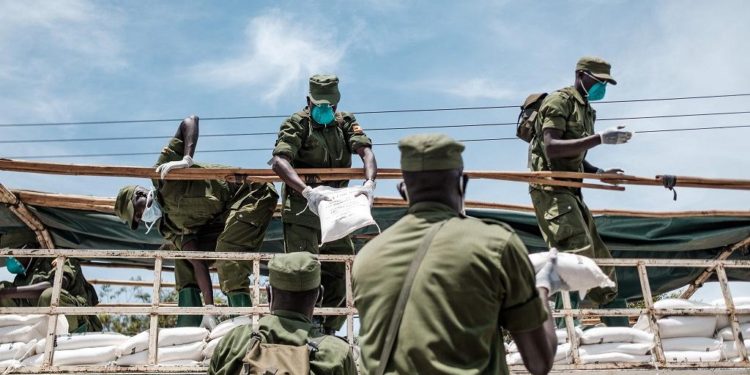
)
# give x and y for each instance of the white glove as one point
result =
(548, 278)
(615, 136)
(314, 197)
(368, 189)
(186, 162)
(209, 321)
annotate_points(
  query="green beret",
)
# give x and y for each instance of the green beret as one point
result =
(124, 206)
(294, 272)
(597, 67)
(430, 152)
(324, 89)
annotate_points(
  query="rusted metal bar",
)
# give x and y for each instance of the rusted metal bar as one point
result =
(570, 327)
(349, 303)
(49, 347)
(706, 274)
(139, 283)
(736, 332)
(652, 317)
(256, 290)
(153, 328)
(162, 310)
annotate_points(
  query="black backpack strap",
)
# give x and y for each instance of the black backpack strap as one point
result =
(403, 298)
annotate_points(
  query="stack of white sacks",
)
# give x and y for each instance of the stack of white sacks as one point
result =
(723, 325)
(221, 330)
(513, 357)
(90, 348)
(176, 347)
(19, 335)
(615, 345)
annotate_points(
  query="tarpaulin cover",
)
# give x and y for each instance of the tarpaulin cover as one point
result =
(627, 237)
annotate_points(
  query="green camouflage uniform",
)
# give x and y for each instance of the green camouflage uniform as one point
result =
(221, 216)
(296, 272)
(564, 219)
(310, 145)
(475, 278)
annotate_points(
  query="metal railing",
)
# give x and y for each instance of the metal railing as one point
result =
(156, 309)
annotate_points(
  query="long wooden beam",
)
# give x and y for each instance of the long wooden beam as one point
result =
(27, 217)
(708, 272)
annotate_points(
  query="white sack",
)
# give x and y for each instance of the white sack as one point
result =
(26, 333)
(690, 356)
(10, 364)
(181, 362)
(729, 349)
(563, 351)
(167, 337)
(727, 335)
(72, 341)
(562, 338)
(85, 356)
(578, 272)
(224, 327)
(20, 320)
(208, 351)
(638, 348)
(687, 326)
(723, 321)
(343, 214)
(192, 351)
(615, 358)
(695, 344)
(17, 350)
(602, 335)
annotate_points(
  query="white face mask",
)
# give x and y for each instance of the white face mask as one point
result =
(152, 213)
(462, 182)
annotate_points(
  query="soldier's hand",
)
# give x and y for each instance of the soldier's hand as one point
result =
(164, 169)
(610, 171)
(314, 197)
(548, 278)
(209, 321)
(616, 135)
(367, 189)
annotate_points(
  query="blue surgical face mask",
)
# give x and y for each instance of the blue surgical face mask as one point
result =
(322, 114)
(597, 91)
(152, 213)
(14, 266)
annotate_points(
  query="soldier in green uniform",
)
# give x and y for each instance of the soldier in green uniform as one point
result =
(32, 285)
(475, 278)
(564, 134)
(319, 137)
(203, 215)
(294, 289)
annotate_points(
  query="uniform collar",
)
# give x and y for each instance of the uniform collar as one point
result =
(293, 315)
(431, 207)
(577, 95)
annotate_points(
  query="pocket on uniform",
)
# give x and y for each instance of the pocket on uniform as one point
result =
(199, 209)
(564, 221)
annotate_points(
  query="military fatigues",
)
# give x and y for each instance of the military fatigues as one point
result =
(564, 219)
(76, 291)
(221, 216)
(475, 277)
(288, 328)
(310, 145)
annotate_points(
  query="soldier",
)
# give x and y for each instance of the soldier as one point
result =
(201, 215)
(32, 285)
(293, 291)
(564, 133)
(462, 278)
(319, 137)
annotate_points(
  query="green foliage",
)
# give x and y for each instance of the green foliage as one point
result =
(641, 304)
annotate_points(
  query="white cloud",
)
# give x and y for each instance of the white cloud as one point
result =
(279, 53)
(475, 88)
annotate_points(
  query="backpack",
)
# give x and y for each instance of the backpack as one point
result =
(278, 359)
(527, 117)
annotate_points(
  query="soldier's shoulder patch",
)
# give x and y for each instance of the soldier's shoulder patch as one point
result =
(356, 128)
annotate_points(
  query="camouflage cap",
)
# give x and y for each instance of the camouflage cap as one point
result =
(294, 272)
(324, 89)
(124, 208)
(597, 67)
(430, 152)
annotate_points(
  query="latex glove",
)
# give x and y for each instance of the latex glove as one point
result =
(368, 189)
(548, 278)
(314, 197)
(616, 135)
(209, 321)
(164, 169)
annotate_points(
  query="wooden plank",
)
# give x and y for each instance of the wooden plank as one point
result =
(706, 274)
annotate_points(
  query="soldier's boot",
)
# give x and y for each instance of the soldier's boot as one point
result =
(239, 299)
(189, 297)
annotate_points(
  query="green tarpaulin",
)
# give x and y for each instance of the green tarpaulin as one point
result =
(628, 237)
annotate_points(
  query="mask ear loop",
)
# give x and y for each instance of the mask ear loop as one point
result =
(462, 190)
(401, 187)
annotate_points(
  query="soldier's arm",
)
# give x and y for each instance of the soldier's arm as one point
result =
(288, 144)
(359, 143)
(188, 132)
(282, 166)
(538, 346)
(555, 147)
(27, 291)
(368, 159)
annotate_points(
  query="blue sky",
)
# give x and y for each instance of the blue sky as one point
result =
(78, 60)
